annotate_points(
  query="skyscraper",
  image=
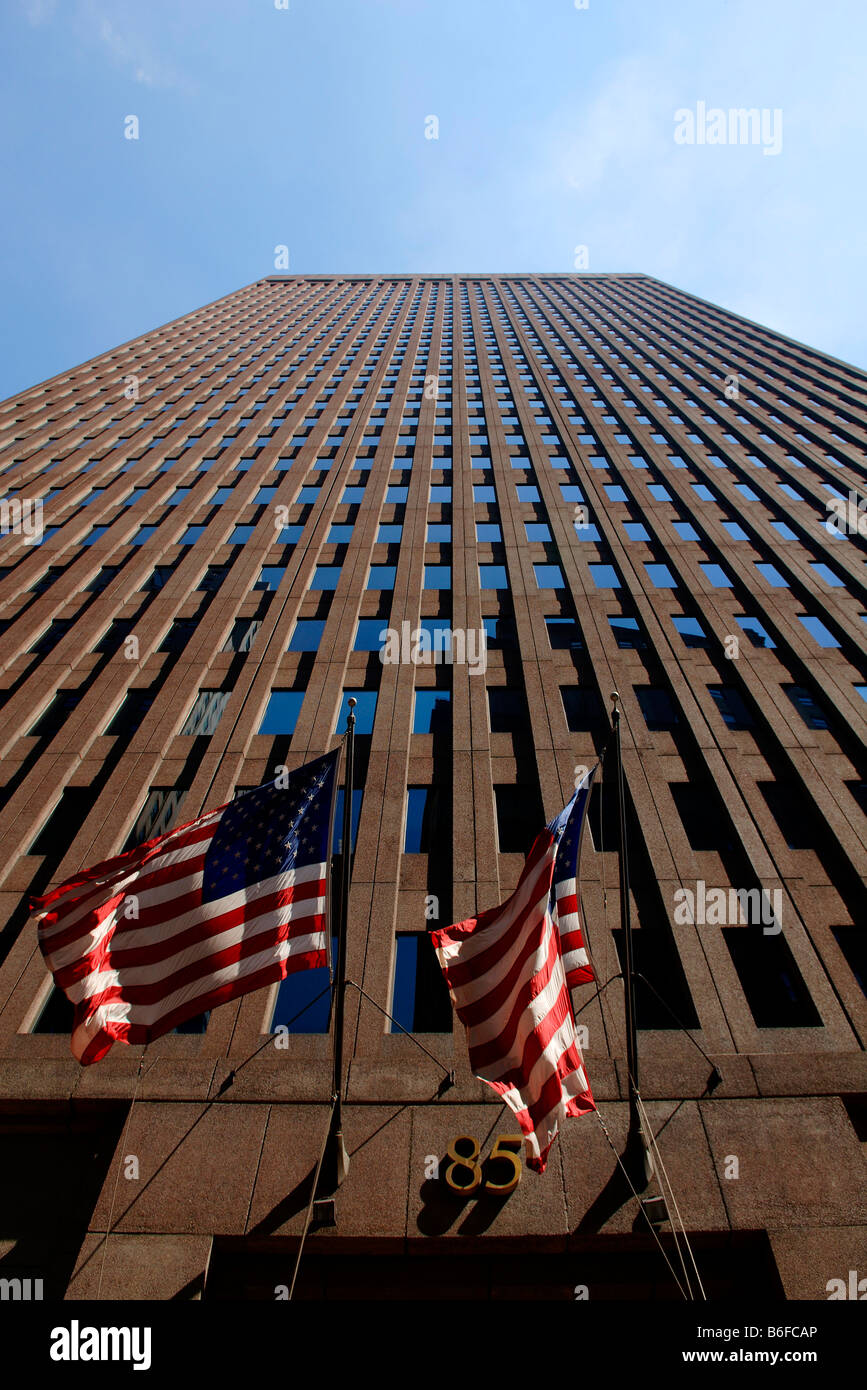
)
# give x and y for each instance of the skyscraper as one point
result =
(479, 505)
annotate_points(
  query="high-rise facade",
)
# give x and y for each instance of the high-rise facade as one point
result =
(480, 505)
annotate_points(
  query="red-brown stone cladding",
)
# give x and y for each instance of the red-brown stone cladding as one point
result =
(226, 1129)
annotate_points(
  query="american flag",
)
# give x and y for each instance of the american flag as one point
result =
(504, 970)
(568, 828)
(212, 910)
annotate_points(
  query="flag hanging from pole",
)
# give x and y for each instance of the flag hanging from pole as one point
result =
(566, 909)
(212, 910)
(504, 970)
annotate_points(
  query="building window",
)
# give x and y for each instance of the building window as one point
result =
(437, 577)
(206, 713)
(549, 576)
(818, 631)
(307, 635)
(63, 824)
(57, 1015)
(500, 632)
(583, 708)
(179, 635)
(369, 635)
(51, 575)
(715, 575)
(303, 1003)
(157, 816)
(825, 572)
(657, 706)
(690, 630)
(213, 577)
(754, 630)
(794, 817)
(421, 804)
(270, 577)
(281, 715)
(390, 534)
(493, 577)
(102, 579)
(240, 639)
(116, 635)
(702, 817)
(489, 531)
(52, 635)
(627, 632)
(810, 710)
(772, 576)
(564, 634)
(131, 713)
(731, 706)
(325, 577)
(432, 714)
(771, 981)
(381, 577)
(159, 577)
(420, 1000)
(661, 576)
(519, 817)
(507, 709)
(604, 576)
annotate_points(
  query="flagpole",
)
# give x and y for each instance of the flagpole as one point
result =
(335, 1165)
(637, 1146)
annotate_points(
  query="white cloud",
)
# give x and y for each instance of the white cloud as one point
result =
(38, 12)
(127, 45)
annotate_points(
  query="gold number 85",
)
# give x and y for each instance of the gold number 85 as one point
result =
(469, 1160)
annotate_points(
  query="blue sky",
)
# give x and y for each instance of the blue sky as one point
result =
(305, 127)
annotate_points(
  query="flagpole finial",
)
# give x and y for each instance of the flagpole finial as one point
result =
(350, 717)
(615, 698)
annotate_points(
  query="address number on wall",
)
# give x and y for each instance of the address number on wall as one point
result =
(498, 1174)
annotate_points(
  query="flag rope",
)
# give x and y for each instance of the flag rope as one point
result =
(668, 1182)
(313, 1191)
(449, 1071)
(687, 1296)
(117, 1175)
